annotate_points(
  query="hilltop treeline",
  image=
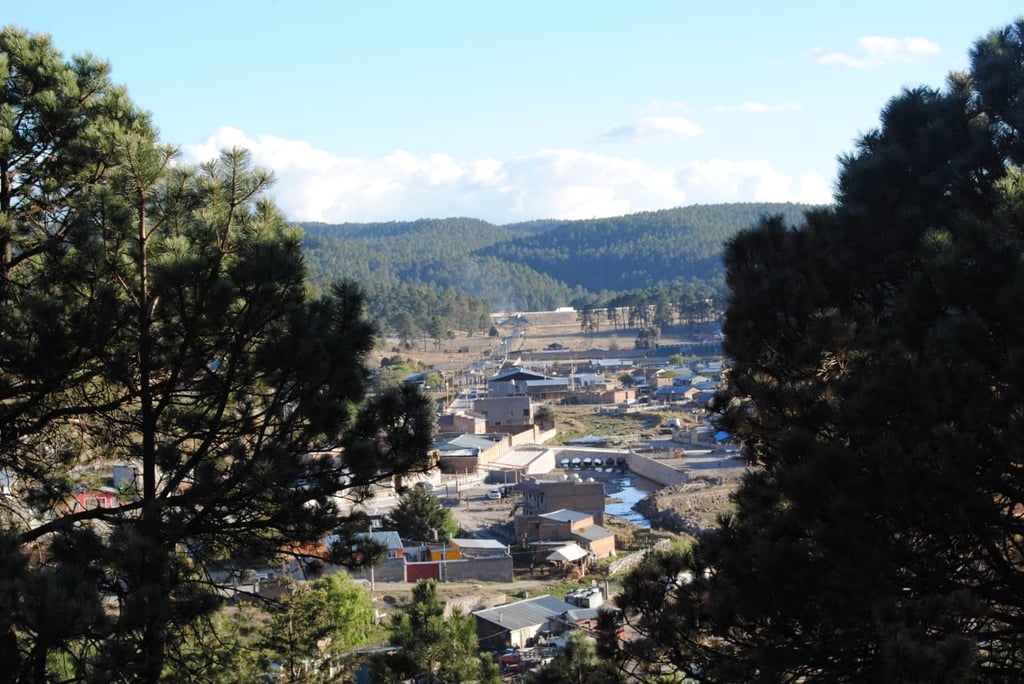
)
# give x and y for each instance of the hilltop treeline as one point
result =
(430, 276)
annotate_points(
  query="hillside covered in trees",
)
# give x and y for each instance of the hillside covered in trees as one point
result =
(433, 275)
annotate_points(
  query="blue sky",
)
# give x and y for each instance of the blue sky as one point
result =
(526, 110)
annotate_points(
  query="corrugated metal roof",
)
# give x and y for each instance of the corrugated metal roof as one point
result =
(388, 538)
(467, 543)
(455, 450)
(565, 515)
(593, 532)
(578, 614)
(515, 374)
(527, 613)
(472, 442)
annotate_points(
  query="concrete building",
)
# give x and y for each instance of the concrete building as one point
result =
(463, 423)
(546, 495)
(505, 410)
(591, 381)
(520, 382)
(512, 382)
(566, 526)
(561, 523)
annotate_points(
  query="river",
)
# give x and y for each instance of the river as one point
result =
(627, 490)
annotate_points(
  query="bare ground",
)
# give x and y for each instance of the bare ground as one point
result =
(692, 508)
(531, 331)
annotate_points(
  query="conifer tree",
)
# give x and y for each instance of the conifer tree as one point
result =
(876, 386)
(434, 644)
(157, 314)
(420, 516)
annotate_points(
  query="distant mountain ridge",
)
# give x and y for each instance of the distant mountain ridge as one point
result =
(639, 250)
(537, 264)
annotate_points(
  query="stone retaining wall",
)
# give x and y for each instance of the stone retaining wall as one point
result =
(633, 559)
(656, 470)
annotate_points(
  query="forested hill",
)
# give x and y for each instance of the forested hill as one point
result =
(528, 266)
(637, 251)
(433, 260)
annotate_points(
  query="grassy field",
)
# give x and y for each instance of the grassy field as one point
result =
(578, 421)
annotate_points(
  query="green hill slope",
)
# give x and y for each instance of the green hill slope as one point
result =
(529, 266)
(638, 250)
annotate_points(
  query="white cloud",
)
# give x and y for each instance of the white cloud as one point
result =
(653, 127)
(487, 172)
(570, 184)
(315, 185)
(876, 51)
(757, 108)
(721, 180)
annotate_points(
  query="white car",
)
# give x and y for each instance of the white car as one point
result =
(493, 494)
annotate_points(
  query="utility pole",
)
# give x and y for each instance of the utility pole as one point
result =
(373, 584)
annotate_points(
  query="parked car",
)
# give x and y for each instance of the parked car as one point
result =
(493, 493)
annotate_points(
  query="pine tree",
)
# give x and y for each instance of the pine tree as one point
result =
(876, 387)
(433, 645)
(157, 314)
(420, 516)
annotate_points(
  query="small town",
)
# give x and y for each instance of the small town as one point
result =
(545, 528)
(535, 514)
(345, 343)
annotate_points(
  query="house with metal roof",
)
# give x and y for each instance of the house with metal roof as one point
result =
(518, 381)
(390, 568)
(676, 393)
(514, 624)
(389, 539)
(468, 547)
(554, 526)
(599, 541)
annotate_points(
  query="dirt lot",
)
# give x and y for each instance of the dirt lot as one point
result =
(531, 331)
(579, 420)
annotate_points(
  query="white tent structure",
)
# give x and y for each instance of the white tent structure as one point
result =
(568, 553)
